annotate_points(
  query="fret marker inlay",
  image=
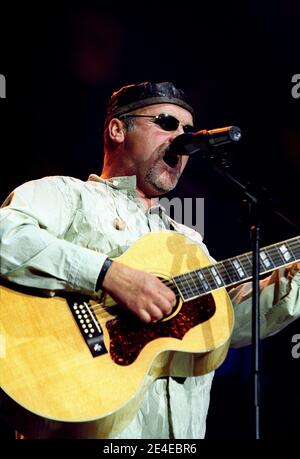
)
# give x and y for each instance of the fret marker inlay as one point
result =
(285, 252)
(202, 279)
(239, 269)
(234, 270)
(265, 259)
(216, 276)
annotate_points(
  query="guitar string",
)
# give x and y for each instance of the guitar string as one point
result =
(274, 256)
(102, 311)
(98, 306)
(273, 253)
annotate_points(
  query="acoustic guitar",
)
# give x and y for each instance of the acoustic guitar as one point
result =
(74, 367)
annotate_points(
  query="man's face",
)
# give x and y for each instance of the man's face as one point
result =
(144, 150)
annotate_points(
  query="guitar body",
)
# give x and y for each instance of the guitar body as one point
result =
(51, 384)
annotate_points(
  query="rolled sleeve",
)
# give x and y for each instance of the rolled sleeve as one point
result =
(279, 306)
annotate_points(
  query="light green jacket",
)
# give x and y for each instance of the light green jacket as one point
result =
(55, 234)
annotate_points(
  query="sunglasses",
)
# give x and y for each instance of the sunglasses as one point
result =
(165, 121)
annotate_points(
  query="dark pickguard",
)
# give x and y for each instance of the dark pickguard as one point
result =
(128, 336)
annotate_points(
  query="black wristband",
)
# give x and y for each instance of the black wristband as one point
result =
(105, 267)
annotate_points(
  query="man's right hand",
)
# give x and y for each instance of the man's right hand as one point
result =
(140, 292)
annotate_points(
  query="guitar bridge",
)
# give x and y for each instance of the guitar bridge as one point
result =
(88, 325)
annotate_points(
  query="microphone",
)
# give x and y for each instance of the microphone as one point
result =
(203, 141)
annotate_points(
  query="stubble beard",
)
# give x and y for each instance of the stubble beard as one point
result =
(161, 184)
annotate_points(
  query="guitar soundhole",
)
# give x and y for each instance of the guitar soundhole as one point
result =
(129, 336)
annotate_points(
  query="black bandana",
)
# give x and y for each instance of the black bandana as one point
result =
(134, 96)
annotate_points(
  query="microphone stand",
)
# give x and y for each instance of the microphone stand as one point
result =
(258, 204)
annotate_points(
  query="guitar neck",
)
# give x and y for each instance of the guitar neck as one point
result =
(237, 269)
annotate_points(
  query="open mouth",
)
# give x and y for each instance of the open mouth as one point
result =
(171, 160)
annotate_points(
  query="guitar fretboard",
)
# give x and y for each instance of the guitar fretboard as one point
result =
(237, 269)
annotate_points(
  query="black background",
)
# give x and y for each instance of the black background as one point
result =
(235, 61)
